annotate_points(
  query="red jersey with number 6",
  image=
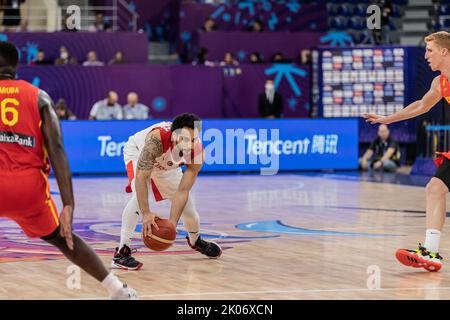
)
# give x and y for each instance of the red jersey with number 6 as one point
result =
(21, 141)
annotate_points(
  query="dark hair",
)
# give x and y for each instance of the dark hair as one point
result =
(184, 120)
(9, 56)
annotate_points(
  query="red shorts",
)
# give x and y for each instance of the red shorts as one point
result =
(440, 159)
(25, 198)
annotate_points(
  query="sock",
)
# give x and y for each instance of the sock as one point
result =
(112, 283)
(130, 217)
(432, 240)
(193, 236)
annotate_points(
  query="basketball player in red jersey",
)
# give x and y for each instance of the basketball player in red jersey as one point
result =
(153, 158)
(438, 56)
(29, 133)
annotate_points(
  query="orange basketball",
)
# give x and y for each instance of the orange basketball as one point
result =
(163, 238)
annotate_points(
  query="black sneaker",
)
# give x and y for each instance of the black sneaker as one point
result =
(123, 259)
(208, 248)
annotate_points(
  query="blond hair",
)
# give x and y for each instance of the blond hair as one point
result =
(441, 38)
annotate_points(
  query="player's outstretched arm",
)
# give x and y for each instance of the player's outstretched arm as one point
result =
(152, 149)
(181, 196)
(53, 142)
(413, 110)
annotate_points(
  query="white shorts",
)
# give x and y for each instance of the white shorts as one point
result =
(162, 184)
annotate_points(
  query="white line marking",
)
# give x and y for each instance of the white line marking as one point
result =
(272, 292)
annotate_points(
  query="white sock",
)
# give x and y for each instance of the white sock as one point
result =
(130, 217)
(112, 283)
(193, 236)
(432, 239)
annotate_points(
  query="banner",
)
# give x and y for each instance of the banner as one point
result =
(267, 146)
(210, 92)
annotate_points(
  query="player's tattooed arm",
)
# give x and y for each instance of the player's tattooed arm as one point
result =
(152, 149)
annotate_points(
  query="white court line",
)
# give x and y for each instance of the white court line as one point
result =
(271, 292)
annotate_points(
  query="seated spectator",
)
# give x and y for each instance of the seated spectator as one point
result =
(92, 60)
(229, 61)
(279, 58)
(383, 154)
(270, 102)
(63, 112)
(255, 58)
(65, 58)
(67, 24)
(135, 110)
(118, 59)
(202, 58)
(100, 24)
(40, 59)
(209, 25)
(107, 109)
(305, 57)
(256, 26)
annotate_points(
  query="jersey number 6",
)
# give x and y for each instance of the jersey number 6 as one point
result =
(5, 110)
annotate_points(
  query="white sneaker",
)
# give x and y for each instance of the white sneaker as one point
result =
(125, 293)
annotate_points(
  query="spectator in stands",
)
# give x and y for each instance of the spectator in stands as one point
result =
(40, 59)
(66, 26)
(63, 112)
(135, 110)
(202, 58)
(382, 36)
(279, 58)
(270, 102)
(256, 26)
(12, 19)
(100, 24)
(383, 154)
(255, 57)
(118, 59)
(65, 58)
(229, 61)
(209, 25)
(107, 109)
(92, 60)
(305, 57)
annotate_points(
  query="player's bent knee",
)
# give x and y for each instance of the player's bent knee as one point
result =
(436, 187)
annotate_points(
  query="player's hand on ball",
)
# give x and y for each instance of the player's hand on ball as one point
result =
(65, 219)
(375, 118)
(148, 220)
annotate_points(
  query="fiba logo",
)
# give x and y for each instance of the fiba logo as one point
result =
(73, 20)
(374, 20)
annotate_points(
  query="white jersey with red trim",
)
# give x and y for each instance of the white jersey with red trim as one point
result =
(166, 161)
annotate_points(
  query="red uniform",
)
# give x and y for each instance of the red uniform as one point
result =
(24, 166)
(445, 93)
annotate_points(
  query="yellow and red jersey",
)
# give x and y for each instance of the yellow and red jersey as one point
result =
(21, 140)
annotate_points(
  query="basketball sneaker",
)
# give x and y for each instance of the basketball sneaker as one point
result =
(123, 260)
(420, 258)
(125, 293)
(208, 248)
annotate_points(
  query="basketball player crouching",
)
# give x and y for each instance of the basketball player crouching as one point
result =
(153, 159)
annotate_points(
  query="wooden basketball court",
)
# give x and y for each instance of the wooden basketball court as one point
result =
(290, 236)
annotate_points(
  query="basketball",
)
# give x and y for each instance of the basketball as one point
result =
(163, 238)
